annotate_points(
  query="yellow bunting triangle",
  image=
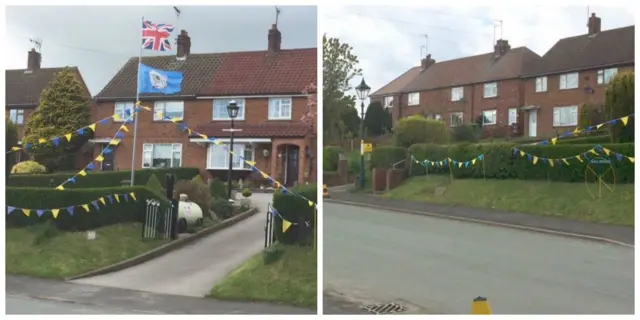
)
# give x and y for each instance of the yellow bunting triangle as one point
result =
(41, 140)
(102, 200)
(100, 158)
(473, 161)
(26, 212)
(554, 140)
(175, 119)
(60, 187)
(116, 117)
(203, 136)
(310, 203)
(550, 162)
(138, 103)
(160, 115)
(535, 159)
(579, 158)
(565, 161)
(189, 130)
(92, 127)
(82, 173)
(599, 126)
(55, 213)
(632, 159)
(251, 163)
(625, 120)
(593, 151)
(459, 164)
(117, 197)
(124, 128)
(114, 142)
(68, 136)
(285, 225)
(522, 154)
(576, 131)
(264, 175)
(606, 151)
(133, 196)
(217, 142)
(15, 148)
(85, 207)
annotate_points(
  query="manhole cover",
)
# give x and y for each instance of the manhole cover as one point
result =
(386, 308)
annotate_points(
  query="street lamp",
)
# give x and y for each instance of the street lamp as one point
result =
(232, 109)
(363, 92)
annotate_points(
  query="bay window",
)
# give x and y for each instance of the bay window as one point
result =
(218, 157)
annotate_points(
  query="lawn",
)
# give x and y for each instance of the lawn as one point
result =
(560, 199)
(291, 279)
(42, 251)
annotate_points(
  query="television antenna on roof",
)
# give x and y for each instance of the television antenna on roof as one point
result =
(277, 15)
(37, 43)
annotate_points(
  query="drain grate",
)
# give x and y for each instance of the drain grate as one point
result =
(385, 308)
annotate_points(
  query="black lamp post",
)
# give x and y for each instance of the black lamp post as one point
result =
(363, 92)
(232, 109)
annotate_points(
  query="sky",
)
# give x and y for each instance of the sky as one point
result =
(390, 40)
(100, 39)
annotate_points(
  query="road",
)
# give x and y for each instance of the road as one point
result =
(196, 268)
(438, 266)
(23, 305)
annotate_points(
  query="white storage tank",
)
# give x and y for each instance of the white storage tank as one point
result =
(189, 214)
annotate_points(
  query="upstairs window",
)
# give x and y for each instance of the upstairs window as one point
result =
(457, 93)
(414, 98)
(167, 110)
(124, 110)
(220, 109)
(16, 116)
(491, 90)
(541, 84)
(279, 108)
(388, 102)
(605, 75)
(569, 81)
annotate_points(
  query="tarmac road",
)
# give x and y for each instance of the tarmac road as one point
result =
(439, 266)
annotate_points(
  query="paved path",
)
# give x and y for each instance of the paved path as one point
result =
(439, 265)
(194, 269)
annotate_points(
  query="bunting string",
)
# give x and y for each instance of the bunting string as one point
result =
(112, 199)
(445, 163)
(597, 150)
(285, 223)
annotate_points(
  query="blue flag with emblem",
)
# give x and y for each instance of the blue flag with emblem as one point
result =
(152, 80)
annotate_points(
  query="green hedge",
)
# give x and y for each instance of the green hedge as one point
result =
(296, 210)
(501, 163)
(97, 179)
(330, 157)
(386, 157)
(47, 198)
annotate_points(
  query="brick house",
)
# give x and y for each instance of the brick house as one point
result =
(574, 72)
(23, 90)
(268, 87)
(390, 94)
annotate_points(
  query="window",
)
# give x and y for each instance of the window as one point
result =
(414, 98)
(16, 116)
(162, 155)
(491, 90)
(220, 109)
(513, 115)
(279, 109)
(489, 117)
(388, 102)
(439, 117)
(456, 119)
(569, 81)
(541, 84)
(457, 93)
(166, 110)
(120, 110)
(218, 158)
(605, 76)
(565, 116)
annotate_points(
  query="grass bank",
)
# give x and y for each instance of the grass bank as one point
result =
(289, 278)
(43, 251)
(560, 199)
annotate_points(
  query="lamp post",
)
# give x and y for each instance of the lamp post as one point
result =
(232, 109)
(363, 92)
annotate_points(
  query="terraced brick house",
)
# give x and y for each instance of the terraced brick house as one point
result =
(268, 87)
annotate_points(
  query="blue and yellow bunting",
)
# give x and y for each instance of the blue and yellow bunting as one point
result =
(286, 224)
(596, 151)
(71, 210)
(449, 162)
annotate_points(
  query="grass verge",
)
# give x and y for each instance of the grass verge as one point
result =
(290, 279)
(559, 199)
(43, 251)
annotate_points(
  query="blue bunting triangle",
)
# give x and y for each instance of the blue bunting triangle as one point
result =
(10, 209)
(56, 141)
(80, 131)
(70, 209)
(39, 212)
(91, 166)
(95, 204)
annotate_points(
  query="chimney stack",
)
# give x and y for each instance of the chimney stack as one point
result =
(33, 62)
(184, 45)
(501, 47)
(427, 62)
(275, 39)
(594, 24)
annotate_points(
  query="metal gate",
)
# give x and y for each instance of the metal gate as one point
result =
(157, 221)
(269, 234)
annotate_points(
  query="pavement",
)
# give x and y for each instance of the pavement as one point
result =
(196, 268)
(25, 295)
(438, 266)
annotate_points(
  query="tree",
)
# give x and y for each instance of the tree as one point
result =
(339, 67)
(351, 121)
(377, 120)
(618, 103)
(417, 129)
(63, 109)
(11, 139)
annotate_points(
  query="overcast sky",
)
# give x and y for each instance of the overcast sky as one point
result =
(388, 40)
(99, 40)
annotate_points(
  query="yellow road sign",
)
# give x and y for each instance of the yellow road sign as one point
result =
(367, 147)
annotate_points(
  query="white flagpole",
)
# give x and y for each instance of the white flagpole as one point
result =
(135, 107)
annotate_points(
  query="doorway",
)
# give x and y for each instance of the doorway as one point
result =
(107, 163)
(291, 165)
(533, 122)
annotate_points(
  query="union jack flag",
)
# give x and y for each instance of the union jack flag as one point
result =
(156, 36)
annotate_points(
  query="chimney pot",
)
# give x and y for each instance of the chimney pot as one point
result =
(33, 60)
(274, 38)
(594, 24)
(501, 47)
(184, 45)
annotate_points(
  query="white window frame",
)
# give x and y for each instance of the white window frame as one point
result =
(16, 116)
(492, 88)
(119, 109)
(541, 84)
(566, 81)
(239, 148)
(160, 107)
(604, 76)
(457, 93)
(281, 104)
(413, 99)
(494, 112)
(147, 153)
(225, 102)
(388, 102)
(460, 115)
(438, 117)
(558, 116)
(513, 116)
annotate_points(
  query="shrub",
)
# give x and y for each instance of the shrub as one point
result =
(222, 208)
(619, 102)
(246, 193)
(296, 210)
(154, 184)
(99, 179)
(417, 129)
(353, 162)
(218, 189)
(466, 133)
(28, 167)
(198, 179)
(590, 115)
(197, 192)
(330, 157)
(385, 157)
(48, 198)
(11, 140)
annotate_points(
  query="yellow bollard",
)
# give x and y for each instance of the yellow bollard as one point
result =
(480, 306)
(325, 191)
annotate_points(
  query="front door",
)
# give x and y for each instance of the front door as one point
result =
(533, 122)
(107, 163)
(291, 166)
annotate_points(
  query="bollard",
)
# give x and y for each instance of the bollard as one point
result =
(480, 305)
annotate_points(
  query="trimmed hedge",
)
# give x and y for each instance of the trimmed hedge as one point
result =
(386, 157)
(330, 157)
(47, 198)
(102, 179)
(501, 163)
(296, 210)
